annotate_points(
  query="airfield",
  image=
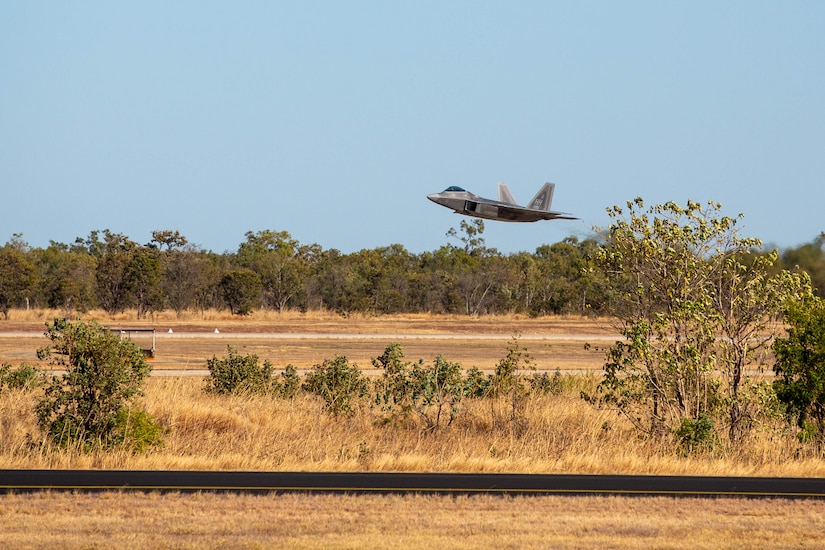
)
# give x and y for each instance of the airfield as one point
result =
(569, 344)
(213, 435)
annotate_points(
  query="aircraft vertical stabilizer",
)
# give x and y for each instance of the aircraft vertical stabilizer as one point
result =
(504, 194)
(543, 198)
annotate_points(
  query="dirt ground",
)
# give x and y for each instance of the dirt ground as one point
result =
(566, 343)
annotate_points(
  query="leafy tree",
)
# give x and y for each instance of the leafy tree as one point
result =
(17, 275)
(688, 304)
(800, 368)
(566, 281)
(186, 275)
(93, 402)
(809, 257)
(276, 258)
(471, 238)
(67, 278)
(326, 287)
(172, 239)
(114, 256)
(143, 280)
(241, 290)
(477, 273)
(747, 303)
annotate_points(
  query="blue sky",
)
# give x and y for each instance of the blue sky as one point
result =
(334, 120)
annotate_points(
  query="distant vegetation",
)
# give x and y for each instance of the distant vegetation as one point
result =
(273, 271)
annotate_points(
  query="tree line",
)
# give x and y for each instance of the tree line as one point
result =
(273, 271)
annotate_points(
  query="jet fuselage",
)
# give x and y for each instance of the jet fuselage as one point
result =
(470, 204)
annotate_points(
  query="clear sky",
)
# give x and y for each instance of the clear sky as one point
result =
(334, 120)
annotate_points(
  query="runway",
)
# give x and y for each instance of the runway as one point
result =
(16, 481)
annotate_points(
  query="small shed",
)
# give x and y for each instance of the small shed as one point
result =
(144, 338)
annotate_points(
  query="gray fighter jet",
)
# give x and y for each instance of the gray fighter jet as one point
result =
(505, 208)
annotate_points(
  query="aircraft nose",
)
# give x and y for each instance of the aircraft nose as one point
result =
(433, 197)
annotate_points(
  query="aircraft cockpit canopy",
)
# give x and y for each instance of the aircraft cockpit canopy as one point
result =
(454, 189)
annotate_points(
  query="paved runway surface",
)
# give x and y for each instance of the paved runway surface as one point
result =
(13, 481)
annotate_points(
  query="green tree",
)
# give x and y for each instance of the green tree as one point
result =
(747, 301)
(809, 257)
(477, 273)
(689, 304)
(566, 282)
(93, 402)
(172, 239)
(800, 369)
(471, 236)
(114, 256)
(17, 275)
(241, 290)
(277, 258)
(143, 279)
(67, 278)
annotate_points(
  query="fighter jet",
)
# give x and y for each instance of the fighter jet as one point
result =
(505, 208)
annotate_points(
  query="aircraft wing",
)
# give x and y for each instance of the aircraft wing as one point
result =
(522, 214)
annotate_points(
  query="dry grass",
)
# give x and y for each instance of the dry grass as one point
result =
(560, 434)
(129, 520)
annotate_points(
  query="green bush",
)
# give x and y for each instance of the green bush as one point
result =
(236, 373)
(543, 383)
(800, 369)
(338, 383)
(696, 434)
(24, 377)
(476, 383)
(432, 393)
(104, 374)
(137, 430)
(288, 383)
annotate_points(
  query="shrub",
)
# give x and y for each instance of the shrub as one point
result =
(338, 383)
(476, 383)
(288, 383)
(103, 376)
(541, 382)
(509, 382)
(137, 430)
(800, 369)
(433, 393)
(236, 373)
(24, 377)
(696, 434)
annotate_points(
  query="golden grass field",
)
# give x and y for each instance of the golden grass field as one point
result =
(562, 434)
(183, 521)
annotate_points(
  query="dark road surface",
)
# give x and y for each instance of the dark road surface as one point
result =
(14, 481)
